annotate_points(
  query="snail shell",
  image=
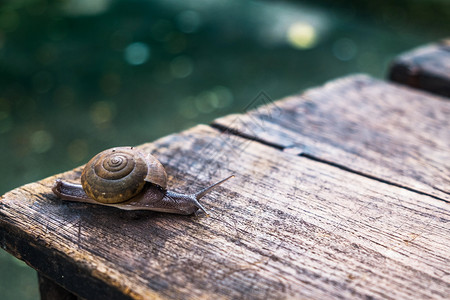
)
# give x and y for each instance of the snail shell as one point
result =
(118, 174)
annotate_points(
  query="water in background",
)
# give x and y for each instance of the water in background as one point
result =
(79, 76)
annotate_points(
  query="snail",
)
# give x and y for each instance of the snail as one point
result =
(128, 179)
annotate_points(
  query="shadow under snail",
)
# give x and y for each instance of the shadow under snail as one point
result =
(126, 178)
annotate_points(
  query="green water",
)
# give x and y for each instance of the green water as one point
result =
(77, 77)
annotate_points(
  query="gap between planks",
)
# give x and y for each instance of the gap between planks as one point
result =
(227, 130)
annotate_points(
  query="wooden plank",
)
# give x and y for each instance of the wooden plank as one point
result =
(392, 133)
(285, 227)
(426, 68)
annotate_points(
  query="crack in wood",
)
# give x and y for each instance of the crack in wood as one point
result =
(226, 130)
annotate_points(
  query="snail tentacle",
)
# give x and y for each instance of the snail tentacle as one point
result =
(206, 190)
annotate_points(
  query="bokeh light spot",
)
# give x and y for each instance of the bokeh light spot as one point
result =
(187, 108)
(188, 21)
(85, 7)
(77, 150)
(101, 113)
(302, 36)
(181, 66)
(224, 96)
(137, 53)
(41, 141)
(206, 102)
(344, 49)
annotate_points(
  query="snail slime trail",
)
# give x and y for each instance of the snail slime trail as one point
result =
(129, 179)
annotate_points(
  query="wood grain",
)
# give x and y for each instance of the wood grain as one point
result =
(285, 227)
(426, 68)
(379, 130)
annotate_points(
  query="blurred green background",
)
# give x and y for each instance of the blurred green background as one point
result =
(79, 76)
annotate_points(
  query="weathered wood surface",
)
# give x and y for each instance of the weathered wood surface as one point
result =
(426, 68)
(395, 134)
(285, 227)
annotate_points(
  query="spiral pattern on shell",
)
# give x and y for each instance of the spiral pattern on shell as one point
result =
(116, 175)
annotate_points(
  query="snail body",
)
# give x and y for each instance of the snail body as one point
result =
(128, 179)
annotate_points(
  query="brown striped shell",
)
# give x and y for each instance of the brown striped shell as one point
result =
(118, 174)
